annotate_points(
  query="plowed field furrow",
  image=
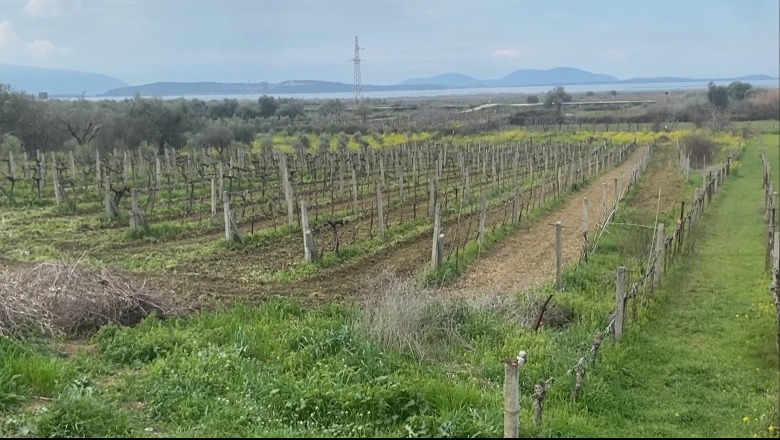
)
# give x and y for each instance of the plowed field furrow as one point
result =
(527, 258)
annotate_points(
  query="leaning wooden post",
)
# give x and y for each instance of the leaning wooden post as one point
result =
(226, 211)
(620, 304)
(286, 186)
(659, 252)
(56, 180)
(512, 368)
(436, 257)
(310, 253)
(558, 255)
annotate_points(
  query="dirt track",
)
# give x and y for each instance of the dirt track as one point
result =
(527, 258)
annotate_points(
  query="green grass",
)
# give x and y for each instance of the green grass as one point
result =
(688, 367)
(706, 359)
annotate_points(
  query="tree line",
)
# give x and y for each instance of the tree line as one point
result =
(51, 125)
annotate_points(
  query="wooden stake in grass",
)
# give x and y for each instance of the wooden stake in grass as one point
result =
(56, 180)
(309, 252)
(616, 194)
(436, 250)
(98, 175)
(620, 303)
(659, 251)
(512, 369)
(286, 186)
(213, 199)
(558, 255)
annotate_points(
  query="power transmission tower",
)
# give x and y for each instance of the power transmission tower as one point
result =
(358, 78)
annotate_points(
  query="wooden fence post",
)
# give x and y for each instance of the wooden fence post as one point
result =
(558, 255)
(616, 193)
(512, 368)
(213, 199)
(56, 180)
(620, 303)
(107, 189)
(482, 218)
(436, 257)
(659, 252)
(226, 212)
(309, 251)
(98, 175)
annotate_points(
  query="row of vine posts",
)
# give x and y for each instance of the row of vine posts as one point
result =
(772, 264)
(668, 247)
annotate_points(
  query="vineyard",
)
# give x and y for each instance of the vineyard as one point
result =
(166, 214)
(412, 269)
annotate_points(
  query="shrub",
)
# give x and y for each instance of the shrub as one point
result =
(700, 147)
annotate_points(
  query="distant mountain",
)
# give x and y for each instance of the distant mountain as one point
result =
(522, 77)
(550, 77)
(556, 76)
(445, 79)
(56, 81)
(286, 87)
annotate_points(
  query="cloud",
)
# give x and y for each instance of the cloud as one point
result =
(505, 53)
(42, 8)
(43, 48)
(7, 35)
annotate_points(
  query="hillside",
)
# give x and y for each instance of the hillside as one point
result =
(56, 81)
(558, 75)
(445, 79)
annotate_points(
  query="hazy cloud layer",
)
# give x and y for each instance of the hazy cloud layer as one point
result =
(255, 40)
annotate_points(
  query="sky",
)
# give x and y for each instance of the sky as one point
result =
(144, 41)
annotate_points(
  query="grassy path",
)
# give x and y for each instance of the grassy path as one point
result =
(705, 363)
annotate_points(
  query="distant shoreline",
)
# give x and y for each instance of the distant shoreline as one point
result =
(453, 92)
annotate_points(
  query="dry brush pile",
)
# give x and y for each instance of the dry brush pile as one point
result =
(56, 299)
